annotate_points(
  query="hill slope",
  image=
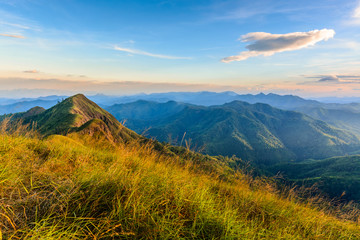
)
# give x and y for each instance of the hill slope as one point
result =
(250, 131)
(61, 188)
(342, 117)
(75, 114)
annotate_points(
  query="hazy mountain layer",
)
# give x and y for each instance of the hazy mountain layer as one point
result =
(344, 116)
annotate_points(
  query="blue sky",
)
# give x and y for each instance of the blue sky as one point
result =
(307, 48)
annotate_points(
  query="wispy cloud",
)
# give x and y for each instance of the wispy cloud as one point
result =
(354, 17)
(268, 44)
(11, 35)
(139, 52)
(15, 25)
(31, 71)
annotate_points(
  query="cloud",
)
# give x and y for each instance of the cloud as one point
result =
(15, 25)
(139, 52)
(268, 44)
(31, 71)
(11, 35)
(341, 79)
(357, 12)
(354, 17)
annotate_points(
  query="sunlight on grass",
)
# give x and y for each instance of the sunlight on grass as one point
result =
(61, 188)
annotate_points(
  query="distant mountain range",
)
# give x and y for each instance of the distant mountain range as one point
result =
(251, 131)
(343, 116)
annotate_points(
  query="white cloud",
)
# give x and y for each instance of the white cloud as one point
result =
(357, 12)
(139, 52)
(11, 35)
(268, 44)
(354, 17)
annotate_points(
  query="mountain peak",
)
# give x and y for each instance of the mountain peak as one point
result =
(75, 114)
(33, 111)
(78, 96)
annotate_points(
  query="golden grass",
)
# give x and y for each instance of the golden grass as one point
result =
(64, 188)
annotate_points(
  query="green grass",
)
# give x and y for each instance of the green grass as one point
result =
(65, 188)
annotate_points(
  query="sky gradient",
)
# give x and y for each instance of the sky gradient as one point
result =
(305, 48)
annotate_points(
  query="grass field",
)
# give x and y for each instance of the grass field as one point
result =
(65, 188)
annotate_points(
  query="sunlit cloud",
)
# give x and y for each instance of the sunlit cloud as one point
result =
(139, 52)
(15, 25)
(11, 35)
(268, 44)
(31, 71)
(337, 79)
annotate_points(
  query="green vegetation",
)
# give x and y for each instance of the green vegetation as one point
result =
(76, 113)
(342, 117)
(256, 132)
(338, 177)
(63, 188)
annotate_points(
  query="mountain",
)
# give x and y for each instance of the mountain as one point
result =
(206, 98)
(75, 114)
(332, 113)
(347, 118)
(145, 110)
(343, 116)
(137, 115)
(23, 106)
(250, 131)
(338, 99)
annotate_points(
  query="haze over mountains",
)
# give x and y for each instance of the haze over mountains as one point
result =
(198, 98)
(343, 116)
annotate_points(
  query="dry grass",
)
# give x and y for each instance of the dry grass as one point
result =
(65, 188)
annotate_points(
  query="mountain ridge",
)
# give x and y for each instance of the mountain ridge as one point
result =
(75, 114)
(255, 129)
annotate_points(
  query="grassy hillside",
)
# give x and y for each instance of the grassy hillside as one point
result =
(74, 114)
(67, 188)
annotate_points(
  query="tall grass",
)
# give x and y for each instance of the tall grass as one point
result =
(64, 188)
